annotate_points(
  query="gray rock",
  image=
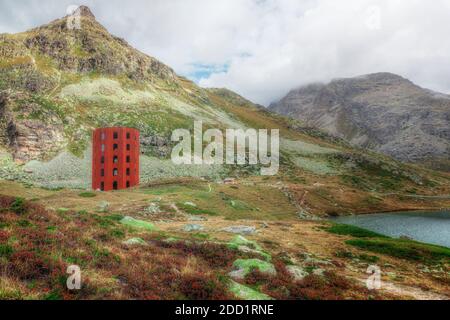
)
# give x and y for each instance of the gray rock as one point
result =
(153, 208)
(238, 274)
(319, 272)
(135, 241)
(240, 230)
(103, 206)
(298, 273)
(244, 267)
(193, 227)
(312, 261)
(197, 218)
(190, 204)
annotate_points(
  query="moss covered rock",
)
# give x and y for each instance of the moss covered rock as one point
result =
(246, 293)
(138, 224)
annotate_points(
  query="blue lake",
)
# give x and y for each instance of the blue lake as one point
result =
(423, 226)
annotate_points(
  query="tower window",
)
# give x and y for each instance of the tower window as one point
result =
(128, 184)
(103, 173)
(128, 135)
(103, 160)
(115, 146)
(128, 147)
(103, 136)
(116, 135)
(128, 159)
(115, 185)
(128, 171)
(116, 159)
(103, 148)
(115, 172)
(102, 186)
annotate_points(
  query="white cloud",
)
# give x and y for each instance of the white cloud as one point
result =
(263, 48)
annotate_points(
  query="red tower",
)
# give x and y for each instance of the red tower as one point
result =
(115, 158)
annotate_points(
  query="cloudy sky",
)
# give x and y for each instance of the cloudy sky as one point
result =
(263, 48)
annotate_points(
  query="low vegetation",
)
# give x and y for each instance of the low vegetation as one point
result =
(348, 230)
(399, 248)
(87, 195)
(124, 258)
(404, 249)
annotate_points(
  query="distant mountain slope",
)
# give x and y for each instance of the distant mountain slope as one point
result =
(383, 112)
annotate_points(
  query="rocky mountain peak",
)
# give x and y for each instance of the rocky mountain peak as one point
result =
(88, 48)
(84, 11)
(382, 111)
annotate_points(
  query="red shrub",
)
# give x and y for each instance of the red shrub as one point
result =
(282, 286)
(5, 202)
(330, 287)
(216, 255)
(26, 265)
(4, 236)
(37, 213)
(256, 277)
(201, 287)
(144, 284)
(37, 238)
(338, 282)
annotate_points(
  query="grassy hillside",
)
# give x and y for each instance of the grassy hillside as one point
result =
(57, 85)
(156, 241)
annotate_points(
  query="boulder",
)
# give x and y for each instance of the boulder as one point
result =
(138, 224)
(245, 266)
(240, 230)
(135, 241)
(193, 228)
(298, 273)
(246, 293)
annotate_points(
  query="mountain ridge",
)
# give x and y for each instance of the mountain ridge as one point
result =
(382, 111)
(58, 85)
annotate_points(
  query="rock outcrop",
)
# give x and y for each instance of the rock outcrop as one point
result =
(35, 65)
(32, 134)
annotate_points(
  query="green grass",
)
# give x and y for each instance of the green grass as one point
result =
(404, 249)
(54, 295)
(117, 233)
(138, 224)
(164, 190)
(201, 236)
(6, 250)
(24, 223)
(196, 211)
(254, 264)
(62, 211)
(87, 195)
(347, 230)
(246, 293)
(363, 257)
(399, 248)
(18, 206)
